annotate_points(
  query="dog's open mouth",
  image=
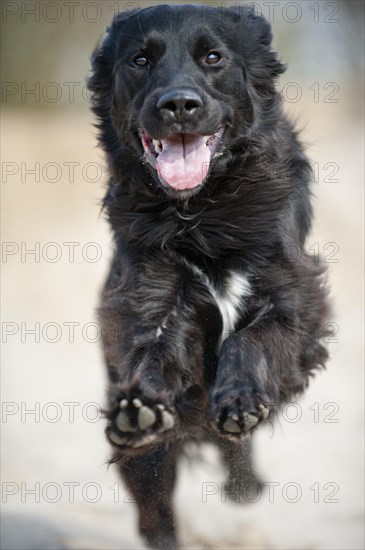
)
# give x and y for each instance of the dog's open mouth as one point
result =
(182, 160)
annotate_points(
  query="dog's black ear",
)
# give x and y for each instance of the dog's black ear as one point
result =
(103, 56)
(101, 82)
(256, 37)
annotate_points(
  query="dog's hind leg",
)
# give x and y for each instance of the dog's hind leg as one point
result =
(150, 478)
(242, 484)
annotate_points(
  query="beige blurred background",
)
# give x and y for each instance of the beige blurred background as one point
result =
(57, 492)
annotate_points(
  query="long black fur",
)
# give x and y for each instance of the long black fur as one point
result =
(253, 210)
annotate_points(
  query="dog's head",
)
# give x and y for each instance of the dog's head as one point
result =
(181, 85)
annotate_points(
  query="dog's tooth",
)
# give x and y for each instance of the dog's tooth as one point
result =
(160, 406)
(123, 404)
(116, 439)
(157, 145)
(137, 403)
(123, 422)
(231, 426)
(146, 417)
(168, 421)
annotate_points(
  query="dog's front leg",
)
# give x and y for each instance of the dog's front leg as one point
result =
(259, 367)
(153, 347)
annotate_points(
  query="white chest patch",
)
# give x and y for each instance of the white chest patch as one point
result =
(229, 299)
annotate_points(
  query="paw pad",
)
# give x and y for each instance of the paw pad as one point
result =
(231, 425)
(244, 422)
(136, 424)
(146, 418)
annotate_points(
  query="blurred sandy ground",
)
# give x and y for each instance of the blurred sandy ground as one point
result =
(320, 455)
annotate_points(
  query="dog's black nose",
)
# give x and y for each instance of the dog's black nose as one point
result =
(179, 104)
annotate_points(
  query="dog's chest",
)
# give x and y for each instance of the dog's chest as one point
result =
(230, 300)
(229, 297)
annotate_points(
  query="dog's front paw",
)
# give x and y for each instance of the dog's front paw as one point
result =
(138, 421)
(237, 409)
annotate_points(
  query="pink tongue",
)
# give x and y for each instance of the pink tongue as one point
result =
(184, 160)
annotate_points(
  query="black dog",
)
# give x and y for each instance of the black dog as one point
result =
(209, 320)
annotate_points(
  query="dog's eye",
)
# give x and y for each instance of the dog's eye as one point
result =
(141, 60)
(213, 57)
